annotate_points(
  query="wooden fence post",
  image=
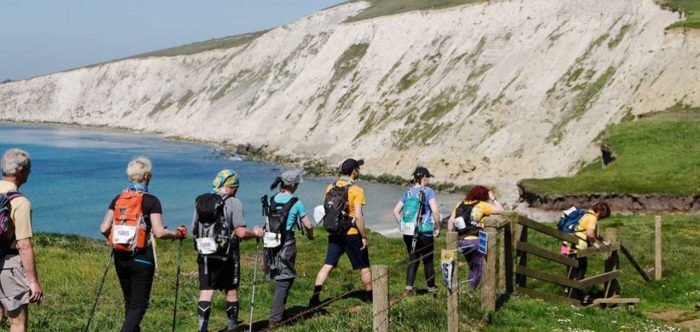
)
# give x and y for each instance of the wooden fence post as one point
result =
(488, 290)
(612, 263)
(658, 248)
(508, 254)
(502, 255)
(380, 298)
(453, 297)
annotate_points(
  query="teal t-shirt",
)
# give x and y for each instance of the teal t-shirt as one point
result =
(296, 212)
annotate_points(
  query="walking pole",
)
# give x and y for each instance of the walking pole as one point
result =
(99, 290)
(255, 276)
(419, 217)
(177, 281)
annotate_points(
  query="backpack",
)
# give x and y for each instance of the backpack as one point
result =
(129, 229)
(410, 212)
(337, 220)
(276, 222)
(570, 219)
(5, 210)
(212, 232)
(464, 222)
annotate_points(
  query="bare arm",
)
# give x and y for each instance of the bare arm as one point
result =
(308, 226)
(106, 226)
(436, 213)
(243, 233)
(26, 255)
(360, 220)
(397, 211)
(158, 230)
(497, 207)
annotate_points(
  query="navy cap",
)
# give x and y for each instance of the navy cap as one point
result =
(350, 164)
(421, 172)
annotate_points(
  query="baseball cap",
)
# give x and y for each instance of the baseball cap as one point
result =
(291, 177)
(421, 172)
(350, 164)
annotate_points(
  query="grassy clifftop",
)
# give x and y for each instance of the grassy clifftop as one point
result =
(656, 154)
(70, 268)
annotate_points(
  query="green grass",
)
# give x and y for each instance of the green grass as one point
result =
(203, 46)
(379, 8)
(689, 7)
(658, 153)
(70, 268)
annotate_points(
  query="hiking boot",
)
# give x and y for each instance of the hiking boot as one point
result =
(315, 301)
(587, 300)
(409, 292)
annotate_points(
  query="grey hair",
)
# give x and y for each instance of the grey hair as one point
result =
(138, 168)
(13, 161)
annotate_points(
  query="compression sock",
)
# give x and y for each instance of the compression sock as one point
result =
(203, 311)
(232, 314)
(316, 296)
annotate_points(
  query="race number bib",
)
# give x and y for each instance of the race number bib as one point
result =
(123, 234)
(459, 223)
(272, 240)
(408, 228)
(206, 245)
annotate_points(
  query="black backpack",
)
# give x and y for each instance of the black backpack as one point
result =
(277, 214)
(337, 220)
(212, 226)
(465, 211)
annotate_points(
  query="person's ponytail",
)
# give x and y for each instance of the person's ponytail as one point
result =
(277, 182)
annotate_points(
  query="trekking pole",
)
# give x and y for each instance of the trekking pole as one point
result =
(419, 217)
(99, 290)
(177, 281)
(255, 276)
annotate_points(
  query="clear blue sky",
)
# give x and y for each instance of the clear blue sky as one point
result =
(41, 37)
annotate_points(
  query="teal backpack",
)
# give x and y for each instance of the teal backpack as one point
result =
(410, 211)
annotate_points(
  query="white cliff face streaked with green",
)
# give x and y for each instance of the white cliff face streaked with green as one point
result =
(487, 93)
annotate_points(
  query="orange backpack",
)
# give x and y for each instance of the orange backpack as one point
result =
(129, 230)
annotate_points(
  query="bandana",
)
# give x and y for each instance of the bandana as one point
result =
(137, 186)
(225, 178)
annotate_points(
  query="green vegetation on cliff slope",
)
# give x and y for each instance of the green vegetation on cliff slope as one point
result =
(379, 8)
(657, 153)
(70, 268)
(689, 7)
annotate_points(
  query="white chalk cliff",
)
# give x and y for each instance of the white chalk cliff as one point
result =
(487, 92)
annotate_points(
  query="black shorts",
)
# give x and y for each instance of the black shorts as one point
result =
(349, 244)
(219, 274)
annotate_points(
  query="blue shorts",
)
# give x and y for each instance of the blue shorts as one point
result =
(349, 244)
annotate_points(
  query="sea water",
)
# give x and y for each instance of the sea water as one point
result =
(76, 172)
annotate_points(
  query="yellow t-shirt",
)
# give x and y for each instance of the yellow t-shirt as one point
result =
(20, 214)
(480, 210)
(355, 196)
(588, 221)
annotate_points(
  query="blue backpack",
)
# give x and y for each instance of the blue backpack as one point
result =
(570, 219)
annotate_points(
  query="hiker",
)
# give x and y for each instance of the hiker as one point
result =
(352, 242)
(417, 213)
(466, 219)
(19, 281)
(284, 215)
(218, 227)
(586, 229)
(131, 218)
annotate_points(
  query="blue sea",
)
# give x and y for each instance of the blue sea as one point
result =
(76, 172)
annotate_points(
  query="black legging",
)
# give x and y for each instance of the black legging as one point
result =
(424, 252)
(136, 277)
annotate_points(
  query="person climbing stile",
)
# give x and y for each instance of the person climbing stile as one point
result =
(19, 280)
(466, 220)
(419, 219)
(218, 227)
(128, 223)
(285, 213)
(345, 222)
